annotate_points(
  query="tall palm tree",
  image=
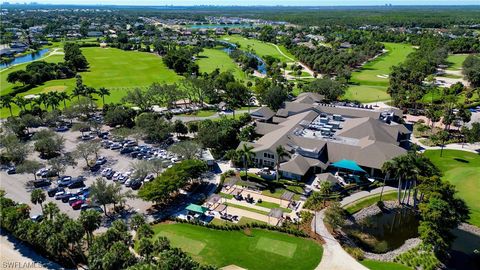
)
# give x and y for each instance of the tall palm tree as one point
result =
(43, 97)
(53, 99)
(21, 102)
(280, 154)
(102, 91)
(77, 92)
(90, 220)
(403, 168)
(63, 96)
(6, 102)
(38, 197)
(246, 153)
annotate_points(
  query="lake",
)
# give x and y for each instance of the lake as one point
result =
(26, 58)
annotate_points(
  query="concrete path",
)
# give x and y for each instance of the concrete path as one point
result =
(334, 256)
(15, 255)
(469, 147)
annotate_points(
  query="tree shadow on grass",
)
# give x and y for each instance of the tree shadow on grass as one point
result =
(461, 160)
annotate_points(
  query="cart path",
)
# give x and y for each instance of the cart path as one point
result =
(334, 256)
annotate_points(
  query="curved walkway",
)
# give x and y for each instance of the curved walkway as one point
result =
(334, 256)
(469, 147)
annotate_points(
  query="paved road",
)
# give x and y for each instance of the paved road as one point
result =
(16, 255)
(334, 256)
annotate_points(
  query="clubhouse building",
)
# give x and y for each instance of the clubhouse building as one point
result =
(323, 137)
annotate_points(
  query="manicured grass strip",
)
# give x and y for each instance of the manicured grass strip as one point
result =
(455, 61)
(366, 93)
(365, 202)
(242, 221)
(211, 59)
(227, 196)
(259, 249)
(260, 48)
(462, 169)
(272, 205)
(377, 265)
(246, 208)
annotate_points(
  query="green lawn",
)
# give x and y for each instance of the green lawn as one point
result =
(455, 61)
(114, 69)
(261, 48)
(211, 59)
(271, 205)
(365, 202)
(260, 250)
(254, 210)
(463, 170)
(377, 265)
(366, 93)
(371, 81)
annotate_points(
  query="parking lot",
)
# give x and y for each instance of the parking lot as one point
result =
(18, 186)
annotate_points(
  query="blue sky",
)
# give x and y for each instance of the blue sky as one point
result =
(264, 2)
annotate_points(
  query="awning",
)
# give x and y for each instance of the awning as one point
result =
(197, 208)
(348, 165)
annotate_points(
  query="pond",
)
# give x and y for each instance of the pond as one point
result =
(385, 231)
(25, 58)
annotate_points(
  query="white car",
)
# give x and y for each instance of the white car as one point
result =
(116, 175)
(106, 171)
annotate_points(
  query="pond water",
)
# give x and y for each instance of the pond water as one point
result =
(229, 47)
(26, 58)
(385, 231)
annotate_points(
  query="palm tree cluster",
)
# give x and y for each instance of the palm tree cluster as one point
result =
(409, 169)
(51, 99)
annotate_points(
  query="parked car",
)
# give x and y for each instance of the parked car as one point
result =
(86, 137)
(72, 199)
(77, 204)
(115, 146)
(95, 168)
(61, 129)
(101, 161)
(106, 171)
(109, 175)
(12, 170)
(52, 191)
(76, 184)
(149, 178)
(126, 150)
(41, 171)
(64, 181)
(66, 196)
(41, 183)
(136, 184)
(37, 218)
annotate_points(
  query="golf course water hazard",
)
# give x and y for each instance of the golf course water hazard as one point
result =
(26, 58)
(385, 231)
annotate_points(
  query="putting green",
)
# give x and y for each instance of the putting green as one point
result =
(256, 249)
(462, 169)
(281, 248)
(366, 93)
(455, 61)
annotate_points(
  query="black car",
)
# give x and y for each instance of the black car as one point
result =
(65, 197)
(76, 184)
(52, 191)
(41, 183)
(11, 170)
(134, 154)
(136, 184)
(126, 150)
(109, 175)
(95, 168)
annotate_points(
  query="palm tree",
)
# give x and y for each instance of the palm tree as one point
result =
(53, 99)
(43, 97)
(6, 102)
(63, 96)
(21, 102)
(38, 197)
(51, 210)
(90, 220)
(77, 92)
(402, 167)
(246, 153)
(281, 153)
(102, 91)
